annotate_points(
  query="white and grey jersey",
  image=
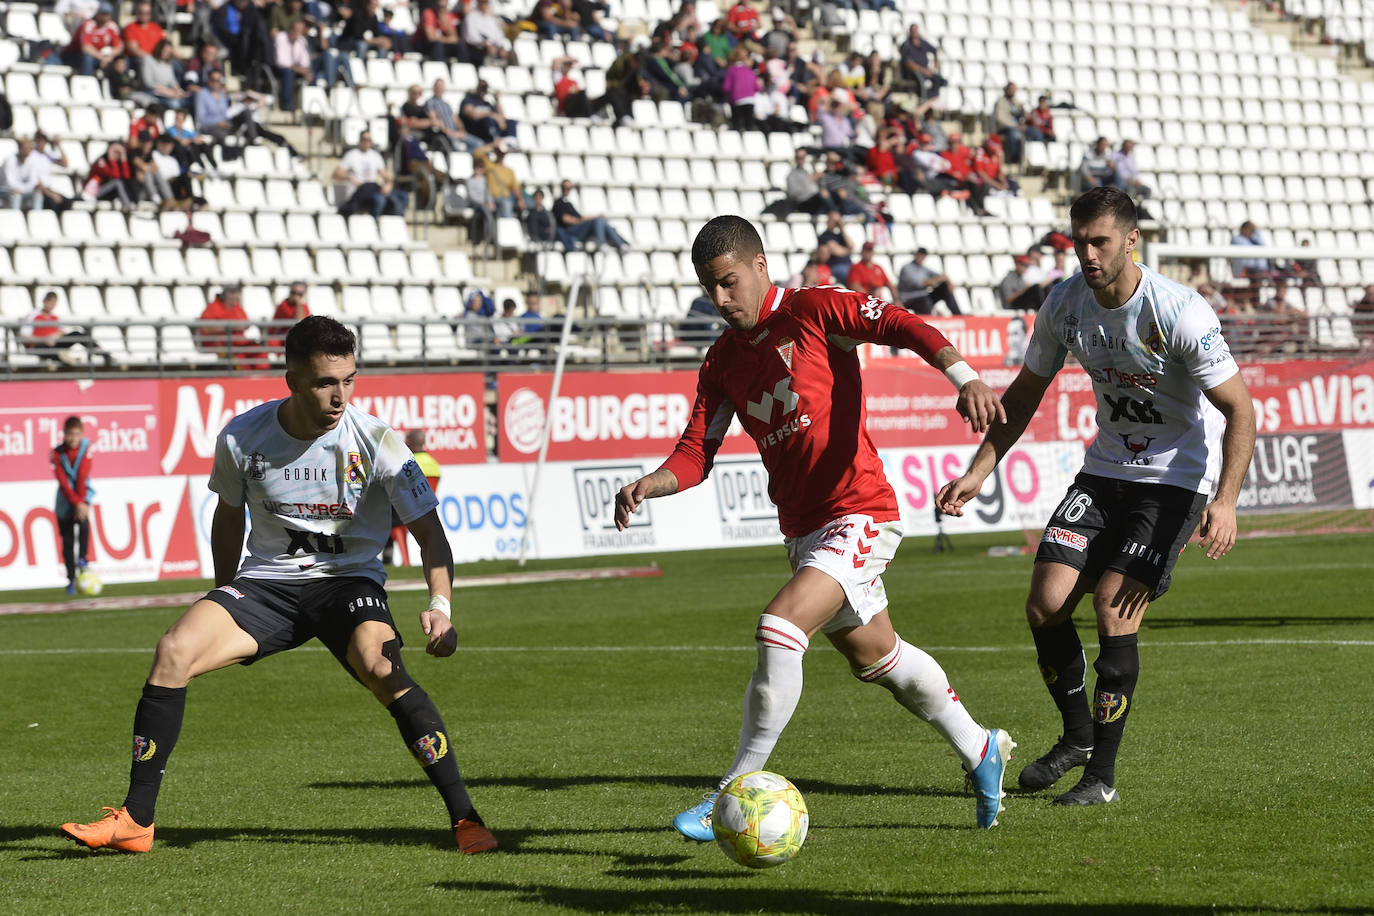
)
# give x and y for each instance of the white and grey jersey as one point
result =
(320, 507)
(1150, 361)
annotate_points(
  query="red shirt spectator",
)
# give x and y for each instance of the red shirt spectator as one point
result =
(90, 34)
(142, 35)
(881, 163)
(107, 168)
(291, 310)
(868, 276)
(744, 21)
(149, 122)
(960, 159)
(1042, 119)
(229, 307)
(561, 90)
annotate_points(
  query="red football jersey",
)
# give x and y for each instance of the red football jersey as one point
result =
(795, 384)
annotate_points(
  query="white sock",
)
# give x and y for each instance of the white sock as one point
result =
(772, 694)
(919, 683)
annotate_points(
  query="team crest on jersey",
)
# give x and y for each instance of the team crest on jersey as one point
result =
(430, 749)
(354, 470)
(1154, 341)
(257, 466)
(1070, 329)
(144, 748)
(785, 348)
(872, 308)
(1109, 707)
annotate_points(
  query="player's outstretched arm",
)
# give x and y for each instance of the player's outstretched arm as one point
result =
(978, 404)
(436, 558)
(226, 541)
(662, 482)
(1218, 523)
(1020, 401)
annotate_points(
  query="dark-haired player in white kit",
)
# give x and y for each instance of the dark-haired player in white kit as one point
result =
(787, 368)
(1166, 388)
(319, 478)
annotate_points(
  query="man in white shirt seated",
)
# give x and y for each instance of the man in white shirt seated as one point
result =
(373, 189)
(485, 35)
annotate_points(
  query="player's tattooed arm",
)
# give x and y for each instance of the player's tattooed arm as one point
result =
(1020, 401)
(662, 482)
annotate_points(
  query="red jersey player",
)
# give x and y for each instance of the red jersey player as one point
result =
(788, 369)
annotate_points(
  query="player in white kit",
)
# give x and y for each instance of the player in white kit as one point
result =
(319, 479)
(1175, 426)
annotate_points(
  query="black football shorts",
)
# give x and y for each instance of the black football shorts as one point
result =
(1137, 529)
(282, 615)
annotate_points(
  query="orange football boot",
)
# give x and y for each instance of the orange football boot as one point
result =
(116, 830)
(472, 836)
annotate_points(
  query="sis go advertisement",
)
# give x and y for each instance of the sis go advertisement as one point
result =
(151, 444)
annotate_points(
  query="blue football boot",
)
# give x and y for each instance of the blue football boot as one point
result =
(695, 822)
(986, 778)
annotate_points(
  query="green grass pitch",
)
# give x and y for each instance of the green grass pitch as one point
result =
(586, 714)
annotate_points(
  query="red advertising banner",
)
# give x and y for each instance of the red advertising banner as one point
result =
(985, 341)
(156, 427)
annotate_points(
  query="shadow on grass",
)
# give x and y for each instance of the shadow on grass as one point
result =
(716, 899)
(693, 783)
(1165, 622)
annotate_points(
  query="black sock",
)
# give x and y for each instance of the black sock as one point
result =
(1059, 652)
(424, 733)
(157, 723)
(1117, 666)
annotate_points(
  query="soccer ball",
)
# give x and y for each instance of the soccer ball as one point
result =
(760, 820)
(88, 583)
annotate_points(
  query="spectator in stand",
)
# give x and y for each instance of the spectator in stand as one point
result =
(446, 132)
(930, 126)
(919, 287)
(1362, 317)
(155, 187)
(657, 70)
(479, 196)
(1059, 269)
(1040, 121)
(143, 34)
(877, 83)
(172, 172)
(868, 276)
(741, 84)
(190, 150)
(292, 61)
(148, 122)
(121, 82)
(289, 311)
(400, 40)
(485, 35)
(428, 181)
(744, 23)
(502, 184)
(18, 183)
(362, 31)
(805, 74)
(283, 15)
(1126, 174)
(47, 152)
(589, 13)
(95, 44)
(572, 102)
(225, 341)
(922, 170)
(160, 77)
(782, 35)
(1009, 121)
(1249, 234)
(1096, 168)
(1015, 293)
(835, 247)
(373, 189)
(837, 129)
(505, 332)
(987, 162)
(882, 158)
(482, 116)
(804, 192)
(111, 178)
(1303, 271)
(703, 323)
(573, 228)
(813, 273)
(556, 19)
(438, 36)
(1035, 271)
(539, 225)
(199, 68)
(772, 110)
(241, 27)
(532, 322)
(212, 111)
(969, 183)
(718, 42)
(920, 64)
(42, 333)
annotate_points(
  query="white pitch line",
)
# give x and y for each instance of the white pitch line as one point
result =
(1183, 644)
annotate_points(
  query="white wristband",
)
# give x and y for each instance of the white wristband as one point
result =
(960, 374)
(442, 605)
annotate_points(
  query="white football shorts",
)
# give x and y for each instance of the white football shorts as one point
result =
(854, 550)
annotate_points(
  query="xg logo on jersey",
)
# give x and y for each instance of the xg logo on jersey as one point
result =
(1124, 408)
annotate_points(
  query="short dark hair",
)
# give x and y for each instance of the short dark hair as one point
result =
(72, 422)
(1103, 200)
(318, 334)
(726, 235)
